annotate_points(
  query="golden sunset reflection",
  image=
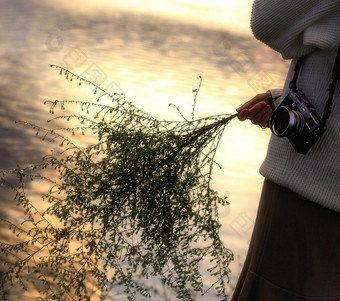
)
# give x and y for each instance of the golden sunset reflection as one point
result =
(153, 51)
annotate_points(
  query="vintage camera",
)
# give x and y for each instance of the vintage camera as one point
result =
(297, 119)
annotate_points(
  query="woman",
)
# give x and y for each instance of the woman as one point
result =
(294, 253)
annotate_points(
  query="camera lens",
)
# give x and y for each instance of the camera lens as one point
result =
(285, 122)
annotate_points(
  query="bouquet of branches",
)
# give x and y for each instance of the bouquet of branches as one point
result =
(133, 205)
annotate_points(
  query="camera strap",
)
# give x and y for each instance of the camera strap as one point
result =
(331, 87)
(292, 84)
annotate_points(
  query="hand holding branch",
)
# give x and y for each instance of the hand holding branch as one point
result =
(258, 110)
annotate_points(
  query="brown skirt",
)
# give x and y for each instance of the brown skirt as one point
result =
(294, 253)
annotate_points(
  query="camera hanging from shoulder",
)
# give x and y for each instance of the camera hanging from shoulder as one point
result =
(296, 117)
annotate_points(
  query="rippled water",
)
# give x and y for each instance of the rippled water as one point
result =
(155, 60)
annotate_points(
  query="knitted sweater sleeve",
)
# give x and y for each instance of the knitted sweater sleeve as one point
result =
(297, 27)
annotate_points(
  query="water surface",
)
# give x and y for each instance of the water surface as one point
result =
(155, 56)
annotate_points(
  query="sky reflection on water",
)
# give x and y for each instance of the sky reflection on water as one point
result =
(155, 60)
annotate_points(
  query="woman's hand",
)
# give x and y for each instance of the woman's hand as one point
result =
(257, 110)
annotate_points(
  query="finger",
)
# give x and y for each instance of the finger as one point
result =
(259, 115)
(258, 98)
(264, 121)
(242, 115)
(255, 110)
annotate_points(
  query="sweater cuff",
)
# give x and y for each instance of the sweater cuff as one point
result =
(276, 96)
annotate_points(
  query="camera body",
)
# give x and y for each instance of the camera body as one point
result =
(297, 119)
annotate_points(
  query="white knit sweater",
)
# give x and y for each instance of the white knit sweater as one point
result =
(295, 28)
